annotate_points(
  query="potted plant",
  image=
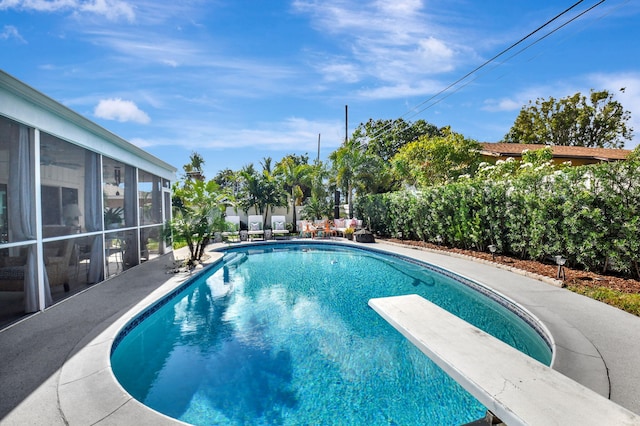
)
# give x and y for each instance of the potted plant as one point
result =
(113, 217)
(348, 233)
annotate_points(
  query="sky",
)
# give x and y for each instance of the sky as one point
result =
(237, 81)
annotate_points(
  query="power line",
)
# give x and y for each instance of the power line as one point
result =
(413, 111)
(510, 57)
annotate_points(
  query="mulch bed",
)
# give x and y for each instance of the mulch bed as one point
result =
(574, 277)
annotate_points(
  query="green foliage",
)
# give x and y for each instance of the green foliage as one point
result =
(113, 216)
(436, 160)
(296, 177)
(384, 138)
(316, 208)
(625, 301)
(598, 121)
(589, 214)
(198, 213)
(193, 169)
(260, 191)
(355, 170)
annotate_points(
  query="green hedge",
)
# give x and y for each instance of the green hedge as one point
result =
(589, 214)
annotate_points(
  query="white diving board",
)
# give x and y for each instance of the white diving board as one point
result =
(513, 386)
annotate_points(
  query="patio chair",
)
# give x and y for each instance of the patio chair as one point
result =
(307, 229)
(255, 226)
(278, 228)
(328, 230)
(232, 228)
(57, 259)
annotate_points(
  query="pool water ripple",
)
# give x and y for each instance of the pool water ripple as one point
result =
(286, 337)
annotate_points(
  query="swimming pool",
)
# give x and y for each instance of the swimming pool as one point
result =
(282, 334)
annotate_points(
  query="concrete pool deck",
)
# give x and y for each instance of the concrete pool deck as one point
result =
(54, 367)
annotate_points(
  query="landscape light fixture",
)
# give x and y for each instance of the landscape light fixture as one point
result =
(560, 261)
(492, 249)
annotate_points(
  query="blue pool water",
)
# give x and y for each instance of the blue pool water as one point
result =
(282, 334)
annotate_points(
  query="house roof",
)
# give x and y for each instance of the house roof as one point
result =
(516, 149)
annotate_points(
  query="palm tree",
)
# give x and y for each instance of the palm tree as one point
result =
(250, 190)
(353, 168)
(272, 193)
(296, 177)
(199, 213)
(193, 169)
(262, 191)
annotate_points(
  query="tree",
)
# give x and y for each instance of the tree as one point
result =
(597, 122)
(384, 138)
(296, 177)
(193, 169)
(262, 191)
(354, 168)
(228, 180)
(437, 160)
(199, 208)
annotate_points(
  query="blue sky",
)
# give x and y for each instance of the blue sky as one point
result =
(240, 80)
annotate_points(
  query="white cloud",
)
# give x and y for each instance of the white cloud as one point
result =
(11, 32)
(394, 42)
(121, 110)
(38, 5)
(111, 9)
(341, 72)
(400, 90)
(504, 104)
(294, 134)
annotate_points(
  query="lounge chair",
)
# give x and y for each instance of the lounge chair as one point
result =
(278, 226)
(232, 227)
(255, 226)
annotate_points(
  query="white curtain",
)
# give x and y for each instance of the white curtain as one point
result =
(130, 254)
(93, 214)
(22, 216)
(156, 199)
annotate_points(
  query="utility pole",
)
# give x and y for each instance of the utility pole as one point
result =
(318, 158)
(346, 123)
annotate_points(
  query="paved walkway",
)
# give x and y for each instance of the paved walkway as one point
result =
(45, 377)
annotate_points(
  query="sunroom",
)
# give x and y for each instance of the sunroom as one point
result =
(78, 204)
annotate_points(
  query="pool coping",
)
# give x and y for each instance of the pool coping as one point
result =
(88, 392)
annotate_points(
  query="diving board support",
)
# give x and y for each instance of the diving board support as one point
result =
(513, 386)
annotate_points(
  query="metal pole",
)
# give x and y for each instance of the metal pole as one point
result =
(346, 123)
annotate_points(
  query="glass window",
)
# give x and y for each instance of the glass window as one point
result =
(13, 262)
(150, 241)
(70, 187)
(121, 251)
(118, 192)
(17, 182)
(150, 198)
(167, 206)
(4, 217)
